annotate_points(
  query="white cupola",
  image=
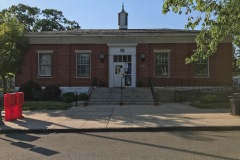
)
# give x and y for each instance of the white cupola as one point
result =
(123, 19)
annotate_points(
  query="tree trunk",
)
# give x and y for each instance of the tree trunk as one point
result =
(4, 81)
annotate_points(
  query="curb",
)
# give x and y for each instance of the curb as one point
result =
(158, 129)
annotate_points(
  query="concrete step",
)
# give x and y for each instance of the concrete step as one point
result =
(132, 96)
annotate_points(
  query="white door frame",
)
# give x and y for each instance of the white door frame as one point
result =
(122, 49)
(118, 78)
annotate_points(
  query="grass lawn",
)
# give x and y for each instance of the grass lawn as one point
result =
(45, 105)
(222, 105)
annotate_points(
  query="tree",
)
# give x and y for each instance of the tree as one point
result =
(218, 18)
(25, 14)
(236, 60)
(54, 20)
(35, 19)
(13, 45)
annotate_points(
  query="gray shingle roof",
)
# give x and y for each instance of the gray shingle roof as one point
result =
(106, 32)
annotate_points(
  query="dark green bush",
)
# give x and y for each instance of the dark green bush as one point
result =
(51, 92)
(32, 91)
(211, 98)
(216, 98)
(83, 96)
(68, 97)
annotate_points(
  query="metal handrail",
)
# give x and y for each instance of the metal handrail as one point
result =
(155, 98)
(121, 100)
(91, 87)
(185, 89)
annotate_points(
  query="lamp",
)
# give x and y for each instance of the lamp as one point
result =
(101, 57)
(142, 55)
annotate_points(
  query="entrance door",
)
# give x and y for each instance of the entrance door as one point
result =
(122, 76)
(125, 56)
(118, 76)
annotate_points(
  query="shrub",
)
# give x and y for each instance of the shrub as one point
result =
(215, 98)
(51, 92)
(68, 97)
(83, 96)
(32, 91)
(209, 98)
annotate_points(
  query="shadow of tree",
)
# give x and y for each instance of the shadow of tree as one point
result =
(203, 155)
(18, 140)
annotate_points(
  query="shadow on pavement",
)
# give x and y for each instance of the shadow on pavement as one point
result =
(204, 155)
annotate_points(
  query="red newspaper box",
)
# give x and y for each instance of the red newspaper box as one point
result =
(20, 102)
(9, 106)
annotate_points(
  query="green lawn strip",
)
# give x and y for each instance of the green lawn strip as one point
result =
(45, 105)
(224, 105)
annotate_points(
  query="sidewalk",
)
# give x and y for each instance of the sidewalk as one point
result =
(171, 116)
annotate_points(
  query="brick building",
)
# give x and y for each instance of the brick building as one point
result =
(118, 57)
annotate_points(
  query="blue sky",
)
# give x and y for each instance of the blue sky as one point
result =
(102, 14)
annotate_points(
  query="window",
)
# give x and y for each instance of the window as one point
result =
(83, 64)
(44, 63)
(201, 67)
(162, 64)
(121, 58)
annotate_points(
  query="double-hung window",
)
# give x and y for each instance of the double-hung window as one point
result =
(162, 64)
(83, 64)
(45, 63)
(201, 67)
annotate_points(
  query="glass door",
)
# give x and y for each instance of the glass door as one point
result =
(122, 71)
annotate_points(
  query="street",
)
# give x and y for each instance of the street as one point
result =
(195, 145)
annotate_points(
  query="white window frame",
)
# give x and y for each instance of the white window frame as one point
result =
(168, 70)
(44, 52)
(83, 52)
(201, 75)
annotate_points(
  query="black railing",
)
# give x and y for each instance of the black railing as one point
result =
(155, 98)
(182, 83)
(91, 87)
(188, 89)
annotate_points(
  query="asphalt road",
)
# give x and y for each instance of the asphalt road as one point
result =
(122, 146)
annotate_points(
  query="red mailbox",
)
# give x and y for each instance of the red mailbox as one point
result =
(9, 106)
(20, 101)
(13, 103)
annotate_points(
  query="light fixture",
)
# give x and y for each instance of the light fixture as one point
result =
(142, 55)
(101, 57)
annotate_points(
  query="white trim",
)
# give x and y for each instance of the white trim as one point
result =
(114, 49)
(162, 51)
(122, 45)
(202, 76)
(82, 52)
(168, 51)
(44, 51)
(44, 77)
(83, 89)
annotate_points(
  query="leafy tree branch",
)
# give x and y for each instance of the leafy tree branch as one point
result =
(217, 18)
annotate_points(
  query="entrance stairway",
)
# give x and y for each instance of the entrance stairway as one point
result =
(130, 96)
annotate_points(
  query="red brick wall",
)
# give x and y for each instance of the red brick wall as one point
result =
(64, 63)
(220, 64)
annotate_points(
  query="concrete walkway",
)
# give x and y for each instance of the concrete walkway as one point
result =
(170, 116)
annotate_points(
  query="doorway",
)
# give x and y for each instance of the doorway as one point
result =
(122, 76)
(122, 66)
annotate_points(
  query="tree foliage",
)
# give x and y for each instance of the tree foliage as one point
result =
(218, 18)
(12, 46)
(35, 19)
(25, 14)
(235, 60)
